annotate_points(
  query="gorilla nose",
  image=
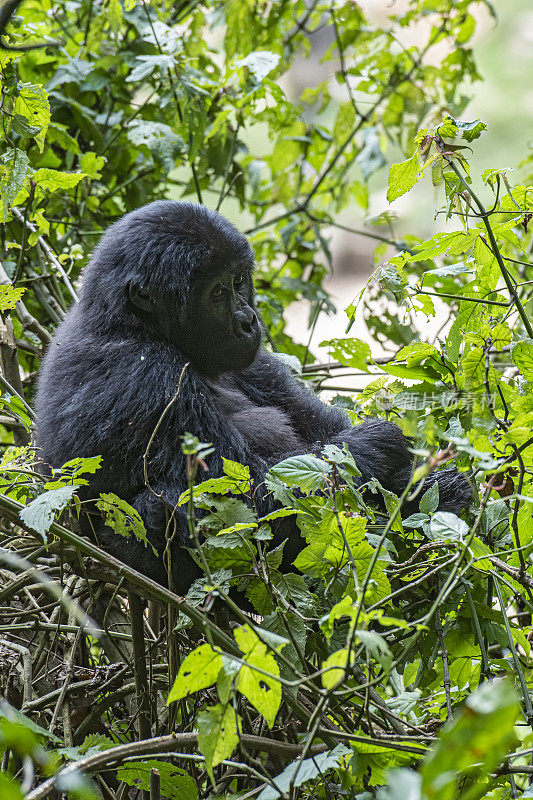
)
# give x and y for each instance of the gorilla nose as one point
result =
(244, 321)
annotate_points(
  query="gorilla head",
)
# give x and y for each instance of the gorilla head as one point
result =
(181, 274)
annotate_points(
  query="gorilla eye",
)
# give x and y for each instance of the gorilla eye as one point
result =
(238, 280)
(217, 292)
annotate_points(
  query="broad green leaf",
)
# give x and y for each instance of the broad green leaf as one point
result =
(471, 130)
(307, 472)
(11, 714)
(216, 486)
(403, 177)
(176, 784)
(218, 734)
(10, 788)
(445, 525)
(197, 671)
(53, 179)
(115, 15)
(39, 514)
(416, 353)
(158, 137)
(335, 667)
(91, 164)
(263, 691)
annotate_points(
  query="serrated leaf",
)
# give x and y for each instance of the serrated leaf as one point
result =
(402, 177)
(115, 15)
(306, 472)
(234, 470)
(53, 179)
(17, 166)
(122, 518)
(32, 104)
(39, 514)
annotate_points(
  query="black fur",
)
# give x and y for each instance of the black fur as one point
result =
(115, 363)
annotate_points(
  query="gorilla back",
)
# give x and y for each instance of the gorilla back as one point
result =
(170, 284)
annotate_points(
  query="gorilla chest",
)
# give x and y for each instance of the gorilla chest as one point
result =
(267, 430)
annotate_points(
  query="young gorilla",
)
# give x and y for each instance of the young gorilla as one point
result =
(171, 283)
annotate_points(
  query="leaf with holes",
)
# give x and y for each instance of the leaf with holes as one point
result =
(198, 671)
(263, 691)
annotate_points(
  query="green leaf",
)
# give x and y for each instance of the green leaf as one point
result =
(260, 63)
(39, 514)
(474, 741)
(32, 104)
(176, 784)
(429, 502)
(445, 525)
(146, 65)
(234, 470)
(263, 691)
(8, 712)
(158, 137)
(92, 164)
(300, 772)
(17, 166)
(53, 179)
(9, 296)
(216, 486)
(352, 352)
(115, 15)
(197, 671)
(218, 734)
(306, 472)
(402, 177)
(122, 518)
(335, 667)
(471, 130)
(10, 789)
(522, 355)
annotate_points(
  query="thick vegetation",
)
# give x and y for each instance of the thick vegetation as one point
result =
(396, 661)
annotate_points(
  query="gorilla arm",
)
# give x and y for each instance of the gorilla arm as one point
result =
(379, 448)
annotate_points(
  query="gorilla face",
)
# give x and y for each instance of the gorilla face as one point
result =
(221, 330)
(218, 330)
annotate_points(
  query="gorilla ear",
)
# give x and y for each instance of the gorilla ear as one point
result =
(139, 298)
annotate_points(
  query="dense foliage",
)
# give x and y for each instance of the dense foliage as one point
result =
(340, 683)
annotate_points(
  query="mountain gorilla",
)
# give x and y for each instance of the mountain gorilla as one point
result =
(168, 284)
